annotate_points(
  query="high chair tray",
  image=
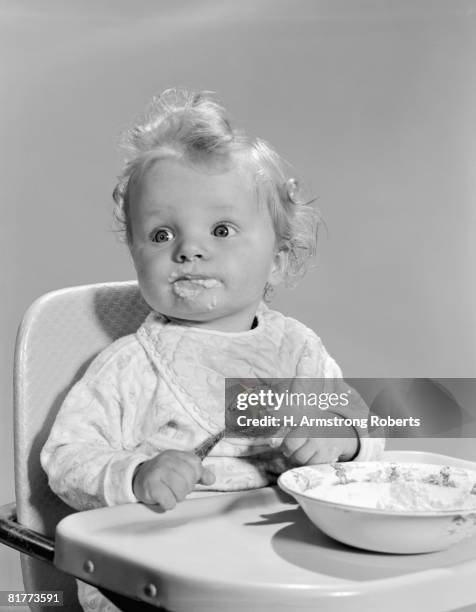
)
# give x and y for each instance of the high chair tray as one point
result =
(254, 550)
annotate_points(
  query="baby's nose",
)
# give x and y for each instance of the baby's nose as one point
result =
(190, 250)
(189, 257)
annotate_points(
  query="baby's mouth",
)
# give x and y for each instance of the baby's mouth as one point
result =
(189, 286)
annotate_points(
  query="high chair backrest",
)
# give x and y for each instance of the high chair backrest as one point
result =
(59, 336)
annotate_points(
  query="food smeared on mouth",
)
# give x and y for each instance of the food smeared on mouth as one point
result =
(191, 287)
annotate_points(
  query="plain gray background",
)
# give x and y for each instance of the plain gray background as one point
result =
(373, 102)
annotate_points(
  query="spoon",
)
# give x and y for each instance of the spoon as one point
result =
(205, 447)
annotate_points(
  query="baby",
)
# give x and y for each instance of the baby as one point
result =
(213, 224)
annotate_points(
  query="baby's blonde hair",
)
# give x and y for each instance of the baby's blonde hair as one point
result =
(194, 126)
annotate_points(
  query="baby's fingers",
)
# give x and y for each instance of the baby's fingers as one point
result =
(305, 453)
(317, 451)
(180, 481)
(290, 445)
(164, 497)
(207, 477)
(185, 475)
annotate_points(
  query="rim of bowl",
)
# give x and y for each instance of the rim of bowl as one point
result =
(352, 507)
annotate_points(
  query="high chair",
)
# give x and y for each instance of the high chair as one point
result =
(59, 336)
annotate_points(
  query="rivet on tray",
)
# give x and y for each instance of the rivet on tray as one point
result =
(88, 566)
(150, 590)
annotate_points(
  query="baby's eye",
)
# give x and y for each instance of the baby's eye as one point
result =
(164, 234)
(223, 230)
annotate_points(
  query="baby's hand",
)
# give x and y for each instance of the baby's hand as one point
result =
(169, 478)
(307, 450)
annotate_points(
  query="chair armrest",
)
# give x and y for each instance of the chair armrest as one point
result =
(21, 538)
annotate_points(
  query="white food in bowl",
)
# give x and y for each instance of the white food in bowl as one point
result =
(400, 496)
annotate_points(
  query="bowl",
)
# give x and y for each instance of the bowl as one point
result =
(385, 506)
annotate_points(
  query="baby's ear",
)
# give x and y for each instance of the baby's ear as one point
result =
(278, 269)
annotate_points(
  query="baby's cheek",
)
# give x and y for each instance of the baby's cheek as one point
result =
(153, 289)
(249, 281)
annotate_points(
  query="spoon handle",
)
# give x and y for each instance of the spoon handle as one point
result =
(205, 447)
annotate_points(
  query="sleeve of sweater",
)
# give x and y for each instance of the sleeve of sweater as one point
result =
(315, 362)
(84, 456)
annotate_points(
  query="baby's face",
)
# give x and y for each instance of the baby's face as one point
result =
(202, 245)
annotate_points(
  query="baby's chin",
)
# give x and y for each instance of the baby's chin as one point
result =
(205, 303)
(202, 307)
(216, 314)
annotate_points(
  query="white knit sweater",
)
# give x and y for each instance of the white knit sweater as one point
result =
(162, 388)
